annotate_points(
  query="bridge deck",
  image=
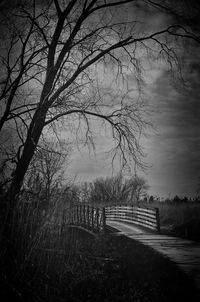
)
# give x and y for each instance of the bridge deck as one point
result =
(185, 253)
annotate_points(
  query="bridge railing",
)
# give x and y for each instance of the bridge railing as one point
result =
(94, 219)
(142, 216)
(88, 217)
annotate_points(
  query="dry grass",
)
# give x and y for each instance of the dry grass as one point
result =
(177, 214)
(181, 219)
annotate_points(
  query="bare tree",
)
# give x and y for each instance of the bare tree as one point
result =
(46, 171)
(101, 191)
(56, 60)
(138, 187)
(118, 190)
(85, 192)
(106, 190)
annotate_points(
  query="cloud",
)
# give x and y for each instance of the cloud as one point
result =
(174, 150)
(87, 167)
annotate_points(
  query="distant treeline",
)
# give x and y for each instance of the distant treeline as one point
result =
(175, 199)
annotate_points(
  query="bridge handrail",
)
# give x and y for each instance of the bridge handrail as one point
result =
(143, 216)
(89, 217)
(94, 219)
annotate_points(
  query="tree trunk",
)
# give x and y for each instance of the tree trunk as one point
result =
(33, 136)
(11, 224)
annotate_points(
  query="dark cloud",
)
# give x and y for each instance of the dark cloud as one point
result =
(186, 12)
(178, 125)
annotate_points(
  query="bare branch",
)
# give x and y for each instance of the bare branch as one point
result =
(57, 7)
(112, 4)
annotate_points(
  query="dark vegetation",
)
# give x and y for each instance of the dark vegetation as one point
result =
(51, 263)
(76, 266)
(179, 219)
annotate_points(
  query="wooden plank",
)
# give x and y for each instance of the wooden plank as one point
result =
(134, 220)
(145, 217)
(135, 209)
(141, 223)
(125, 207)
(146, 210)
(134, 212)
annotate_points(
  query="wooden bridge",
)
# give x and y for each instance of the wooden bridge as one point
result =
(141, 224)
(97, 220)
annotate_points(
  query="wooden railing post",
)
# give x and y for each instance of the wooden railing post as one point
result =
(158, 220)
(73, 218)
(92, 216)
(80, 214)
(103, 220)
(74, 215)
(77, 216)
(97, 219)
(88, 217)
(71, 215)
(84, 215)
(132, 213)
